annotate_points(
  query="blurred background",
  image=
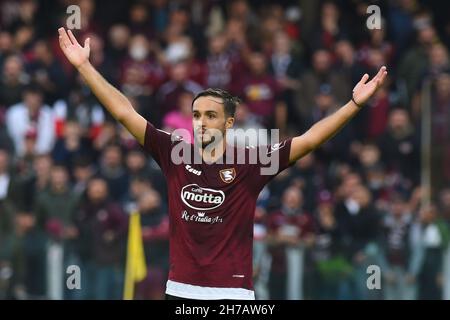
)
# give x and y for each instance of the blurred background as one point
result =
(377, 194)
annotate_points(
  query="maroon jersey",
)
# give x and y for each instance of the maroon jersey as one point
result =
(211, 211)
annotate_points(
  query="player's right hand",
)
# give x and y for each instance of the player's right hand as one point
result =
(75, 53)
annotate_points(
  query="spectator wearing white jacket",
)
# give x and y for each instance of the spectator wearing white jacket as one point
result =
(31, 118)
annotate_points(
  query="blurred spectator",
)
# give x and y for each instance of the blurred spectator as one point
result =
(83, 109)
(307, 175)
(181, 118)
(112, 170)
(141, 73)
(414, 62)
(437, 63)
(29, 268)
(117, 45)
(108, 134)
(359, 224)
(47, 72)
(438, 60)
(332, 269)
(320, 73)
(325, 104)
(398, 252)
(372, 170)
(33, 178)
(6, 46)
(293, 17)
(399, 146)
(6, 226)
(102, 227)
(13, 81)
(23, 39)
(431, 236)
(219, 62)
(444, 204)
(286, 67)
(138, 186)
(290, 231)
(136, 164)
(444, 208)
(5, 174)
(5, 140)
(55, 210)
(377, 42)
(169, 92)
(99, 59)
(178, 45)
(180, 33)
(56, 206)
(236, 34)
(160, 15)
(347, 61)
(261, 93)
(241, 10)
(246, 120)
(331, 27)
(71, 146)
(31, 118)
(261, 256)
(24, 14)
(88, 23)
(270, 24)
(7, 240)
(400, 20)
(83, 171)
(155, 233)
(440, 129)
(376, 115)
(371, 121)
(139, 19)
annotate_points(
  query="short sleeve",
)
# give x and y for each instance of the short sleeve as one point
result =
(159, 144)
(276, 159)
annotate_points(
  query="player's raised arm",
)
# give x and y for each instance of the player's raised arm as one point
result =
(329, 126)
(114, 101)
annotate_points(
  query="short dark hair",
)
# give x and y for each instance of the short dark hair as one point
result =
(230, 102)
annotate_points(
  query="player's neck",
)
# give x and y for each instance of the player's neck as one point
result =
(212, 153)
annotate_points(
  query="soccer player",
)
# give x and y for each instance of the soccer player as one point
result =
(212, 203)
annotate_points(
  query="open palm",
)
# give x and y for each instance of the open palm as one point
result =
(364, 90)
(75, 53)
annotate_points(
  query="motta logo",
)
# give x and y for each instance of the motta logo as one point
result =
(201, 199)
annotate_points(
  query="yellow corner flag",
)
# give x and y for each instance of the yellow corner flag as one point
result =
(136, 268)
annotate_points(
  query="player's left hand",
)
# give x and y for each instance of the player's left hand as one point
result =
(364, 90)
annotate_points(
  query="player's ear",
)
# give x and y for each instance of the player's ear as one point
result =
(229, 123)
